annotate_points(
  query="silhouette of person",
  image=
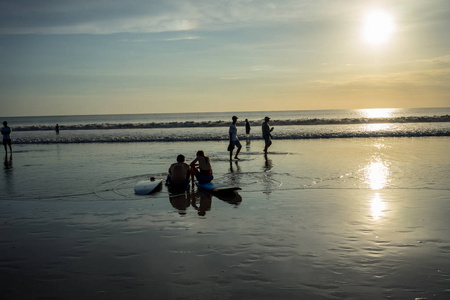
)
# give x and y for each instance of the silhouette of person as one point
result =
(201, 168)
(234, 141)
(6, 132)
(247, 126)
(179, 174)
(266, 133)
(57, 128)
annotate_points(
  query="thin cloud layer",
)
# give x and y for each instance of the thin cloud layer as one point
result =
(119, 16)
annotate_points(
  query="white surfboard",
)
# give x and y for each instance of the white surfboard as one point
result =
(147, 186)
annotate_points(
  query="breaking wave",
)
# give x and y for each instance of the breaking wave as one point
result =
(209, 124)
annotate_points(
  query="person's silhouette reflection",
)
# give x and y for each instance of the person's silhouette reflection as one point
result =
(202, 202)
(180, 202)
(7, 162)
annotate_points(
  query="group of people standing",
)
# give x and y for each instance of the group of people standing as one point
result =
(234, 141)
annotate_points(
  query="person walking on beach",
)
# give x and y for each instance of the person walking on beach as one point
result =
(6, 132)
(201, 168)
(179, 174)
(266, 133)
(234, 141)
(247, 126)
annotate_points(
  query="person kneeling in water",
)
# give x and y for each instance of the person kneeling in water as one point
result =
(179, 174)
(201, 168)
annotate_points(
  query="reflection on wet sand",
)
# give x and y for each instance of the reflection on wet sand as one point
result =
(235, 173)
(202, 202)
(7, 162)
(230, 197)
(267, 175)
(180, 202)
(377, 175)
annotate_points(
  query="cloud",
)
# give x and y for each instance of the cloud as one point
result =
(184, 38)
(141, 16)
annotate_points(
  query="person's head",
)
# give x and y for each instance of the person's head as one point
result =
(180, 158)
(267, 119)
(201, 153)
(234, 118)
(246, 120)
(5, 123)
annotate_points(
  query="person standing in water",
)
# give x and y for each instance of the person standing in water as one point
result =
(266, 133)
(6, 132)
(247, 126)
(234, 141)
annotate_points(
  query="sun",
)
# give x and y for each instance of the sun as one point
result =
(378, 27)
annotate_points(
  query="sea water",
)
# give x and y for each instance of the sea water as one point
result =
(405, 148)
(346, 205)
(214, 126)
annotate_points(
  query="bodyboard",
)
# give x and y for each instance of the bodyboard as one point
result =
(146, 186)
(217, 187)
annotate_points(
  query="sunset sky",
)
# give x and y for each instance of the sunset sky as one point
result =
(65, 57)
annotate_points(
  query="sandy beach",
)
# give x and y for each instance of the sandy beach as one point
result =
(317, 219)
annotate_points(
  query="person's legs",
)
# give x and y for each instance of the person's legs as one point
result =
(237, 152)
(239, 147)
(268, 142)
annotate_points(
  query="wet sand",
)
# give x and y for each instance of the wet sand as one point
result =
(368, 225)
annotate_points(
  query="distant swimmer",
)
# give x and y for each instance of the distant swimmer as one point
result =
(6, 132)
(247, 126)
(179, 174)
(57, 128)
(201, 168)
(266, 133)
(234, 141)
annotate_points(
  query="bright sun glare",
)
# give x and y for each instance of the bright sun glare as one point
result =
(378, 27)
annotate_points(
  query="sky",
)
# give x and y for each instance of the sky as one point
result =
(65, 57)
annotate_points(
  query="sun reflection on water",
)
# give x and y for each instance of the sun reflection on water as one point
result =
(377, 174)
(378, 112)
(377, 207)
(377, 127)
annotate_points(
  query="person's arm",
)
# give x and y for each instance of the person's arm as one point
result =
(193, 163)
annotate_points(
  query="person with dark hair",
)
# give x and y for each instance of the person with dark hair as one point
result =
(247, 126)
(179, 174)
(266, 133)
(6, 132)
(201, 168)
(234, 141)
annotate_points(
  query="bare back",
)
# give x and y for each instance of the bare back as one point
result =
(179, 172)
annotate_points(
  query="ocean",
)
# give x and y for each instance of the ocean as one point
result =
(214, 126)
(347, 204)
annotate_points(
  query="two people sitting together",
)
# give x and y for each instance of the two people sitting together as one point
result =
(180, 173)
